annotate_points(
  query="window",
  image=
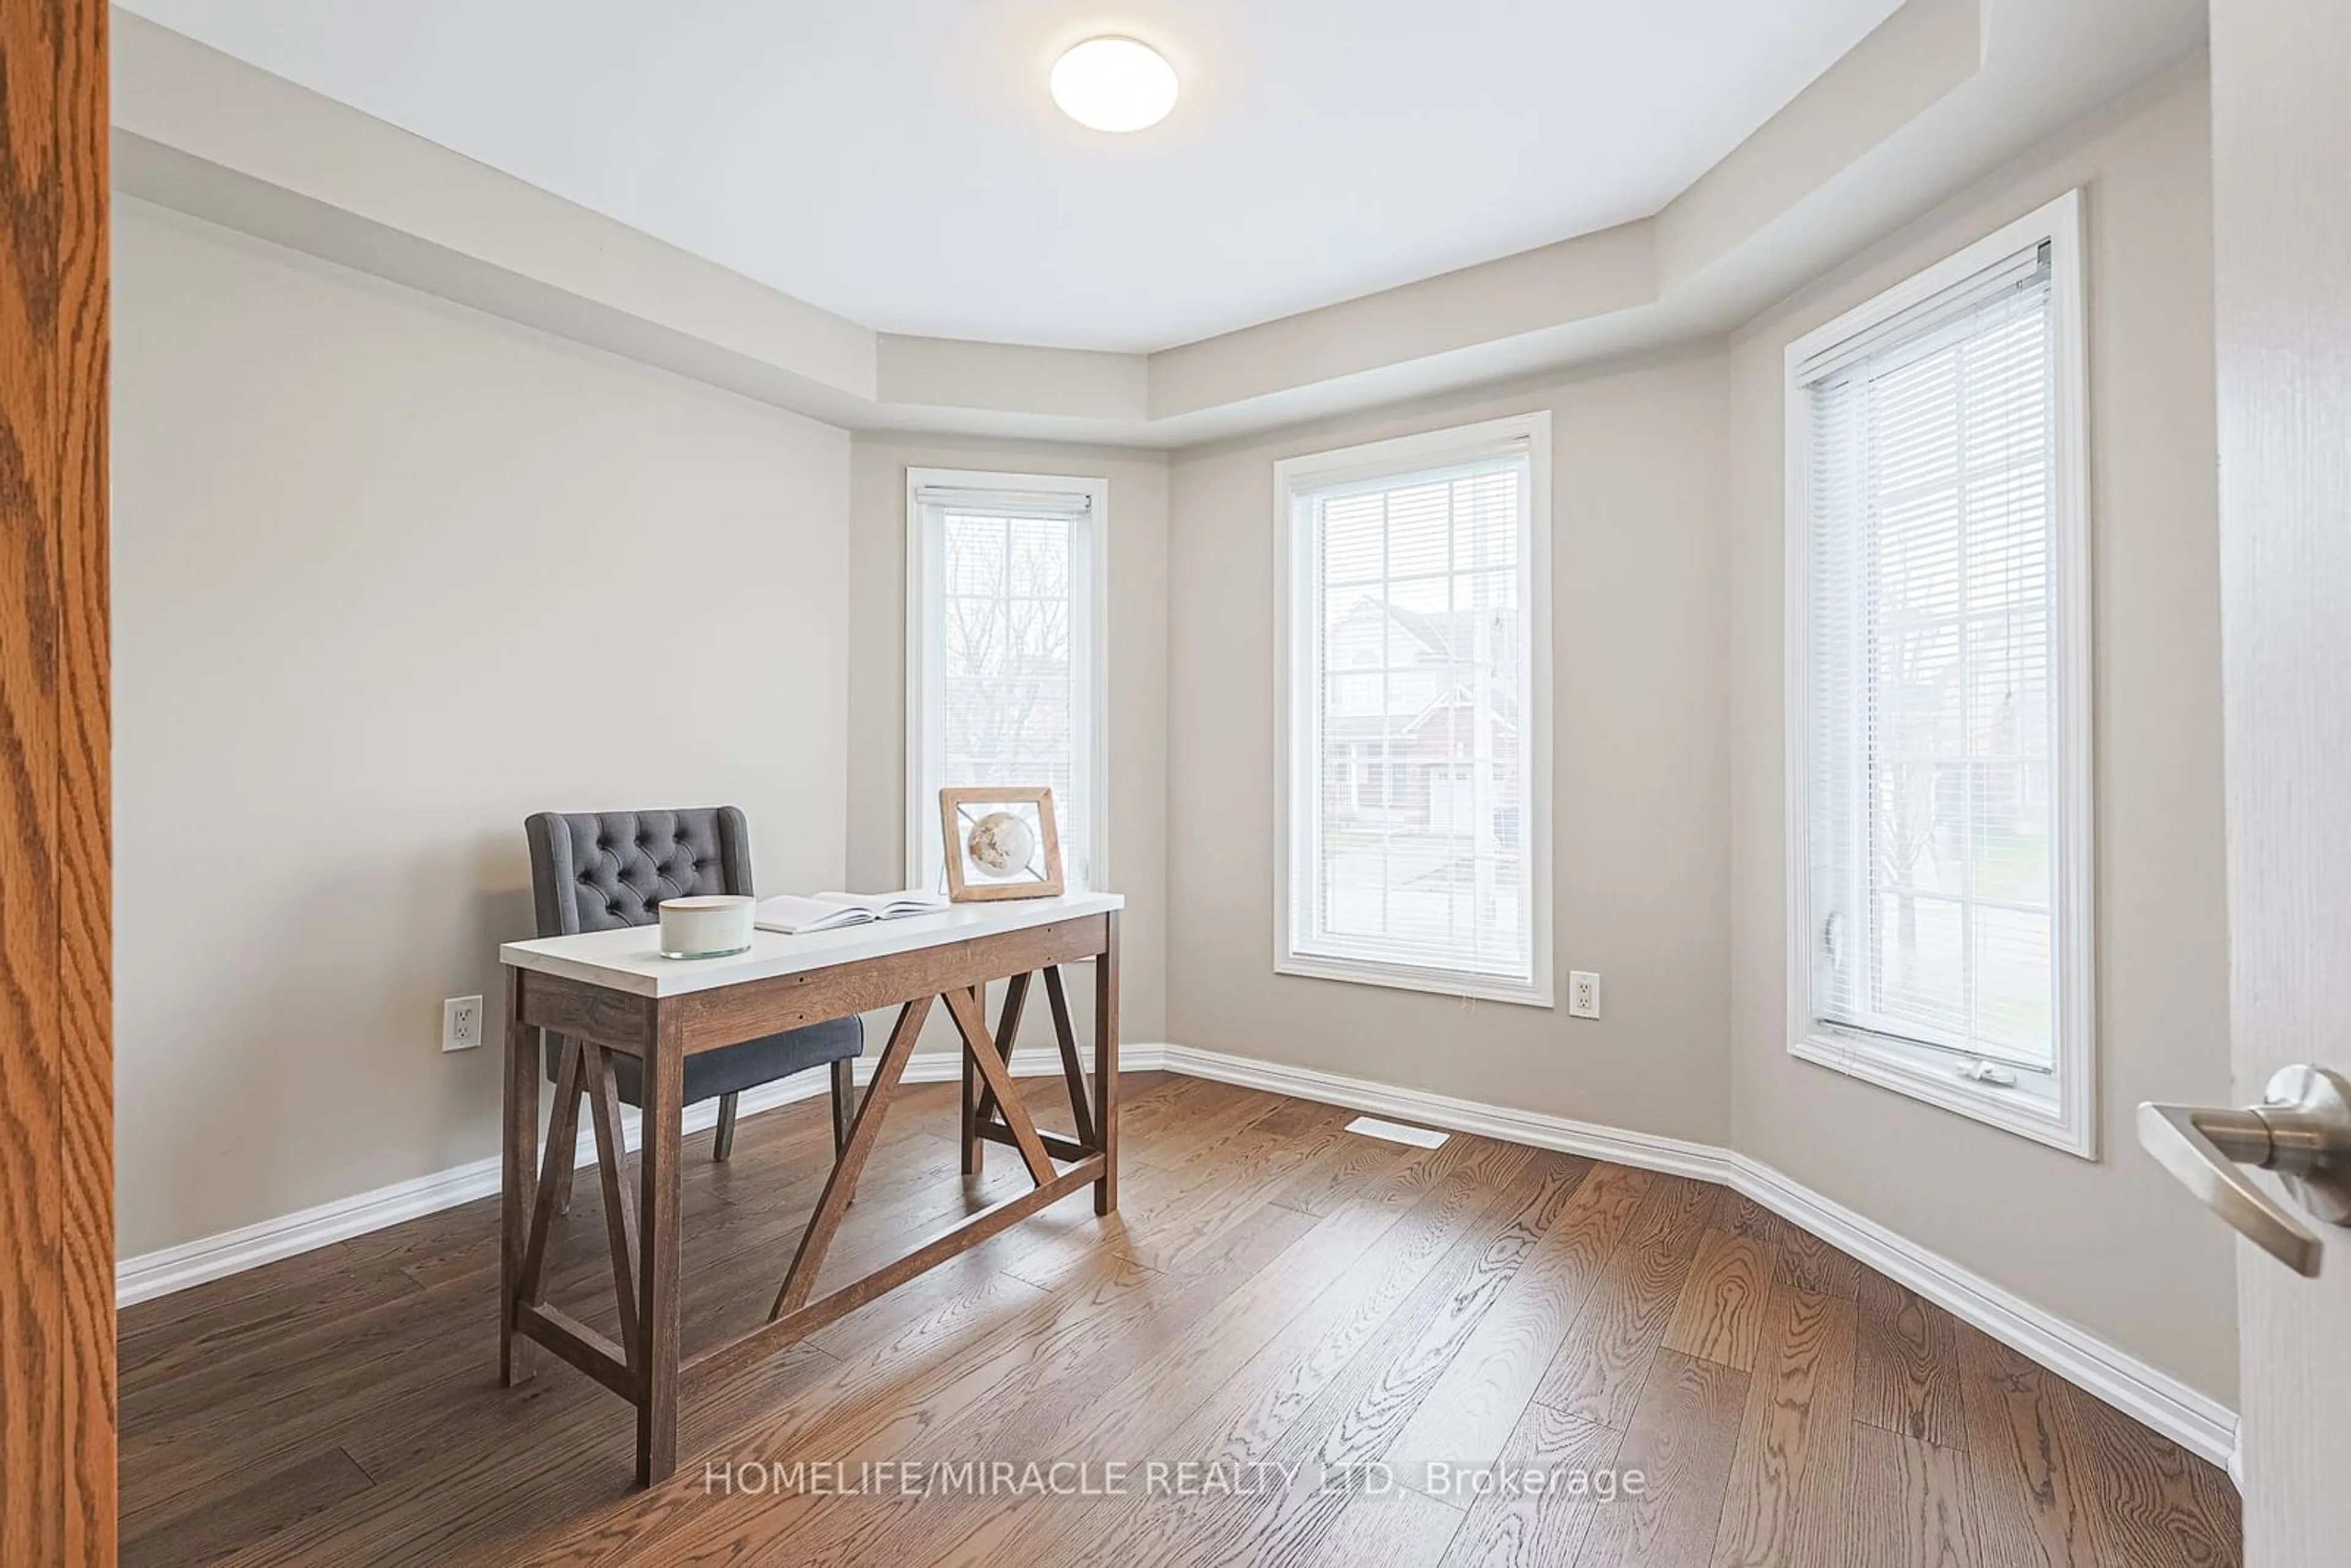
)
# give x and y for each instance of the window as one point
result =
(1415, 701)
(1939, 615)
(1004, 669)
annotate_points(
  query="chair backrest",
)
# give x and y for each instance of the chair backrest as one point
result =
(592, 871)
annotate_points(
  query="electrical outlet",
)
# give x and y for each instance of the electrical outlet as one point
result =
(1582, 994)
(461, 1023)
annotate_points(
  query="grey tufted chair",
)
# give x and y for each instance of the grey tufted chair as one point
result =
(592, 871)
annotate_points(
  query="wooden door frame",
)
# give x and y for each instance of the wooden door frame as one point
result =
(56, 1073)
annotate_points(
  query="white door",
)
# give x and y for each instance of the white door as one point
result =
(2282, 173)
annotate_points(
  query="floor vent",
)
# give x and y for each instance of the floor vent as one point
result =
(1398, 1132)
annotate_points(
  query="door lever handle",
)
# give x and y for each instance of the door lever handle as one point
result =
(2301, 1130)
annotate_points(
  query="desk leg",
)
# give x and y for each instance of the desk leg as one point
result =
(658, 1223)
(970, 1114)
(1106, 1068)
(517, 1186)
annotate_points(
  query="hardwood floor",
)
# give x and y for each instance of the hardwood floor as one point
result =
(1401, 1336)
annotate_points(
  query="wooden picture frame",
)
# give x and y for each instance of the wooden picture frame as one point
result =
(1043, 874)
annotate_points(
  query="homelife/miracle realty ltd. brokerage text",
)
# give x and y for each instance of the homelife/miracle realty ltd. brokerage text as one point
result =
(1155, 1477)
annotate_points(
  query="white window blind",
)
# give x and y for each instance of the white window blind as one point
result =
(1410, 830)
(1003, 676)
(1934, 835)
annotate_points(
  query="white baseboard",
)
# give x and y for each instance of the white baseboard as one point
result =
(1675, 1155)
(2196, 1421)
(160, 1273)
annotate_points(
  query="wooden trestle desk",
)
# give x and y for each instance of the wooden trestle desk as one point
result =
(611, 991)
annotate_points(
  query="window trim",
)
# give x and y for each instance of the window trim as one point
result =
(1403, 455)
(2070, 1122)
(922, 821)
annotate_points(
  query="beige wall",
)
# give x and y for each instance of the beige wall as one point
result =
(1136, 627)
(1640, 795)
(2114, 1245)
(389, 576)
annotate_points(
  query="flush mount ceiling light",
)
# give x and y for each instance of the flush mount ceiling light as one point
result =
(1115, 83)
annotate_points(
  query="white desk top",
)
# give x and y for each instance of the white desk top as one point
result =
(629, 959)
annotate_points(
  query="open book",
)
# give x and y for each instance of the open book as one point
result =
(791, 915)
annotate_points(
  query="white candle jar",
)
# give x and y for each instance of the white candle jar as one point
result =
(712, 925)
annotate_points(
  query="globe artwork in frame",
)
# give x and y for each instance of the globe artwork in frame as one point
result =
(1001, 843)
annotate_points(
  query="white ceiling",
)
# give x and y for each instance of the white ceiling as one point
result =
(900, 162)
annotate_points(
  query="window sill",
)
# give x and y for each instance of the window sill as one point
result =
(1404, 978)
(1933, 1077)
